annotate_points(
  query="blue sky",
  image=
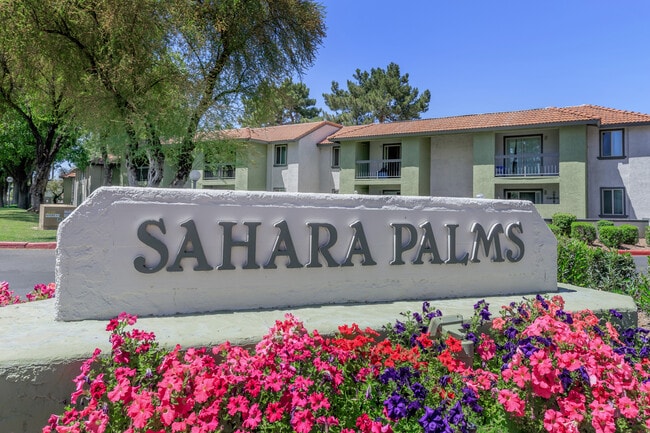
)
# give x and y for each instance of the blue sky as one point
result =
(493, 55)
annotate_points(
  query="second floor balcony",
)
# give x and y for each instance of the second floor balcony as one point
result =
(378, 169)
(527, 164)
(220, 171)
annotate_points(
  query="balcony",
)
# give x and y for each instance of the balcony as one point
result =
(527, 164)
(378, 169)
(220, 171)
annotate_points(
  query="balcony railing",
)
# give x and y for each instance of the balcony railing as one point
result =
(220, 171)
(527, 164)
(378, 168)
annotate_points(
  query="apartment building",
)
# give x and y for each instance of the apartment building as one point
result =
(591, 161)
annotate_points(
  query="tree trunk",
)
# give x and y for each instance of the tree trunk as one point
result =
(37, 190)
(184, 164)
(131, 155)
(156, 158)
(21, 193)
(107, 169)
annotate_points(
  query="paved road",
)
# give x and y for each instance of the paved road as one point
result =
(24, 268)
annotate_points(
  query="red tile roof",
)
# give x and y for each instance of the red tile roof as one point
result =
(610, 116)
(552, 116)
(273, 134)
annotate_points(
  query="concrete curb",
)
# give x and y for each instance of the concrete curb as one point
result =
(28, 245)
(635, 252)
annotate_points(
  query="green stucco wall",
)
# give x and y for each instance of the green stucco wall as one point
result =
(573, 170)
(416, 156)
(348, 160)
(250, 170)
(483, 180)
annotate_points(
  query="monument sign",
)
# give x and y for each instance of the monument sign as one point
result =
(165, 252)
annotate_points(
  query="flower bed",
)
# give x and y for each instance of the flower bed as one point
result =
(40, 291)
(536, 368)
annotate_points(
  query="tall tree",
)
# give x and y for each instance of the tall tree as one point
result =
(230, 46)
(17, 155)
(122, 48)
(379, 96)
(35, 86)
(278, 105)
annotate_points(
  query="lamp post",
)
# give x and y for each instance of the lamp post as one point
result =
(194, 176)
(10, 181)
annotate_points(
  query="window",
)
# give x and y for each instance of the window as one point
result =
(611, 144)
(522, 156)
(612, 202)
(280, 157)
(142, 174)
(534, 195)
(279, 189)
(336, 156)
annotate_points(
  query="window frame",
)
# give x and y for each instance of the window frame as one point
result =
(539, 193)
(611, 190)
(336, 157)
(601, 135)
(142, 173)
(280, 157)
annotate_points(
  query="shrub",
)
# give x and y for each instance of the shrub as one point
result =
(563, 221)
(582, 265)
(604, 223)
(630, 234)
(647, 235)
(583, 231)
(555, 229)
(611, 236)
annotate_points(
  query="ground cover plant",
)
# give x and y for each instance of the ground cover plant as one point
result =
(19, 225)
(535, 367)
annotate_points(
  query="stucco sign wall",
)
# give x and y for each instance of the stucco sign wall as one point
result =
(166, 252)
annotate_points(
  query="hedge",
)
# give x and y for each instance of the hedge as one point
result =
(611, 236)
(583, 231)
(564, 221)
(630, 234)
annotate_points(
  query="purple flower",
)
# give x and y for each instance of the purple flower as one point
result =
(564, 316)
(616, 314)
(419, 391)
(511, 333)
(455, 415)
(471, 399)
(433, 422)
(399, 327)
(565, 378)
(396, 406)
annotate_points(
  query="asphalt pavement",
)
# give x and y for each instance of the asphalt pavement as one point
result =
(23, 268)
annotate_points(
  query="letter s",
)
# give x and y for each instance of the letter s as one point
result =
(510, 234)
(156, 244)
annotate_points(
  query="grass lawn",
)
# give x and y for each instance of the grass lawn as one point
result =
(18, 225)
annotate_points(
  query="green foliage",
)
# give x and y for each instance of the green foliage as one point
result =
(630, 234)
(611, 236)
(585, 266)
(583, 231)
(604, 223)
(564, 221)
(555, 229)
(277, 105)
(647, 235)
(376, 96)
